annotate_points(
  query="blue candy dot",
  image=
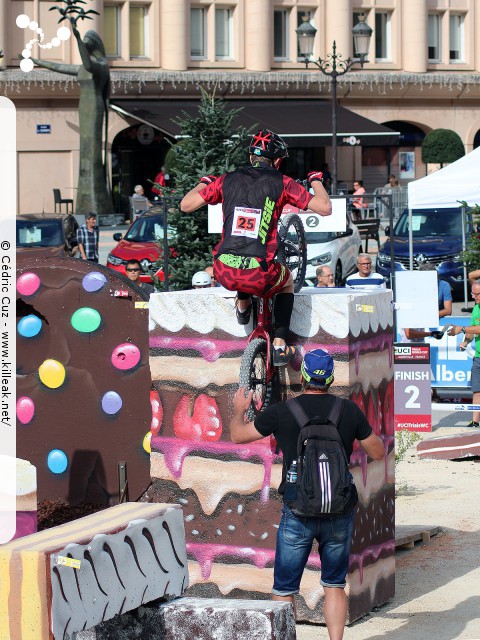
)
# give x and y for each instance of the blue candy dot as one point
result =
(57, 461)
(93, 281)
(111, 402)
(29, 326)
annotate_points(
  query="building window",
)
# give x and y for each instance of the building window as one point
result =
(111, 31)
(138, 31)
(280, 35)
(223, 33)
(198, 33)
(456, 38)
(434, 38)
(382, 36)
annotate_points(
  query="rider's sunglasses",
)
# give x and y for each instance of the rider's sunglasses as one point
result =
(135, 269)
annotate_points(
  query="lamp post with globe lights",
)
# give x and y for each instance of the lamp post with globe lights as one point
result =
(334, 66)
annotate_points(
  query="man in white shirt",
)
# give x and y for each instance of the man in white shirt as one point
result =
(365, 278)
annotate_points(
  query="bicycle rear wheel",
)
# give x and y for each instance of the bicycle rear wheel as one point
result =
(292, 250)
(253, 375)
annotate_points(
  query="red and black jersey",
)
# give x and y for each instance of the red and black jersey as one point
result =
(253, 199)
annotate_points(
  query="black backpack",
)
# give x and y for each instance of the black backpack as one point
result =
(324, 485)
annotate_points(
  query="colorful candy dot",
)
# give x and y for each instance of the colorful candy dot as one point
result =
(57, 461)
(86, 320)
(29, 326)
(147, 442)
(28, 283)
(52, 373)
(111, 403)
(125, 356)
(93, 281)
(25, 409)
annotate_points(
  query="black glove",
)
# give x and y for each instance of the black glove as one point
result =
(438, 335)
(314, 175)
(208, 179)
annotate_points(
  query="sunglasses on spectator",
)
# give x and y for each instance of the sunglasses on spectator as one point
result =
(134, 269)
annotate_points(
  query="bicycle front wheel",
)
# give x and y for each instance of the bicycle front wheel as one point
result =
(292, 251)
(253, 375)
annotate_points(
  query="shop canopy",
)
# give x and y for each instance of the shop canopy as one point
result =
(301, 122)
(444, 188)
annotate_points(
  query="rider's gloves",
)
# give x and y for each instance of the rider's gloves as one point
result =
(208, 179)
(314, 175)
(438, 335)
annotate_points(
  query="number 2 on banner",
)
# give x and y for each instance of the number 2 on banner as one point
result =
(414, 393)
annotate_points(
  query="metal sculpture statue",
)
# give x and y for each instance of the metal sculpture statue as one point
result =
(93, 76)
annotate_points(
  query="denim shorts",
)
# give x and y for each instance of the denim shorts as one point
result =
(294, 543)
(475, 380)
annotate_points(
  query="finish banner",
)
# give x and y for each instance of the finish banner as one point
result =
(412, 387)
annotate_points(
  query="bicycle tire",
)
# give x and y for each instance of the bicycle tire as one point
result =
(253, 371)
(292, 250)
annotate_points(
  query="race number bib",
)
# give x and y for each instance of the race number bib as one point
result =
(246, 222)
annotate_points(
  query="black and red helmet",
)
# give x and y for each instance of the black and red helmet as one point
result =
(268, 144)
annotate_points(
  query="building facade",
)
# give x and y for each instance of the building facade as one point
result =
(423, 73)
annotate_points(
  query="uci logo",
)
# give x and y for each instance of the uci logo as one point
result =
(403, 351)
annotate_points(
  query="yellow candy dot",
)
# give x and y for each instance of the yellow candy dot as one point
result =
(147, 444)
(52, 373)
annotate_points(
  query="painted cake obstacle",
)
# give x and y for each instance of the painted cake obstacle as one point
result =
(229, 491)
(75, 576)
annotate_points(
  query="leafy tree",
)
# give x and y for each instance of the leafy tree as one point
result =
(212, 147)
(442, 146)
(471, 255)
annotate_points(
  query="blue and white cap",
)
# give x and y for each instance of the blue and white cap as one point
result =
(318, 367)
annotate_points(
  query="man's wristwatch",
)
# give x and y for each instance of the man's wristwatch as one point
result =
(463, 331)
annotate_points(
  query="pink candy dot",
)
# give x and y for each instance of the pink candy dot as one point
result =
(27, 284)
(25, 409)
(125, 356)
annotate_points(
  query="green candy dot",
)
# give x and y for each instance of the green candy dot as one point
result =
(86, 320)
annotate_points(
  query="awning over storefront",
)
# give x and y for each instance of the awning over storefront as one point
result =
(301, 122)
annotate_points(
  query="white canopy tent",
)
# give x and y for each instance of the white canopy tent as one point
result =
(444, 188)
(459, 181)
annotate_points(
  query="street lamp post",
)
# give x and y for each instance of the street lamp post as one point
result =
(333, 66)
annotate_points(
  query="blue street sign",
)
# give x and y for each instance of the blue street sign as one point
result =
(44, 128)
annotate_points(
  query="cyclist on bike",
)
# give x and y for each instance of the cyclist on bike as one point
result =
(253, 198)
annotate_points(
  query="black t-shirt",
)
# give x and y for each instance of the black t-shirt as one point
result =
(279, 421)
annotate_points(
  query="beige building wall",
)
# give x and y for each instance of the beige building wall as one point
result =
(404, 86)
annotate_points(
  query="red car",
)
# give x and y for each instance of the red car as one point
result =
(143, 241)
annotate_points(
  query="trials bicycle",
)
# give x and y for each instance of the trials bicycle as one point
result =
(256, 370)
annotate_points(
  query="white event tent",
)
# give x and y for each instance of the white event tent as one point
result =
(444, 188)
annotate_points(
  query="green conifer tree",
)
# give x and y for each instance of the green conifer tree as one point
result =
(214, 147)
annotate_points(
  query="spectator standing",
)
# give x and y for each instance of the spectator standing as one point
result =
(391, 184)
(160, 180)
(365, 278)
(470, 333)
(325, 277)
(87, 238)
(210, 272)
(295, 535)
(134, 270)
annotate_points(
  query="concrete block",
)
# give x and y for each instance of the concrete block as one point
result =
(201, 619)
(73, 577)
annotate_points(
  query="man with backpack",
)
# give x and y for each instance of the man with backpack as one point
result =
(315, 433)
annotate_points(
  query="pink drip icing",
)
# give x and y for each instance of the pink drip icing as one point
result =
(206, 554)
(176, 450)
(371, 552)
(359, 458)
(212, 349)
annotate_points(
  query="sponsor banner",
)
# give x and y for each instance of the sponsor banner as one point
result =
(449, 366)
(411, 353)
